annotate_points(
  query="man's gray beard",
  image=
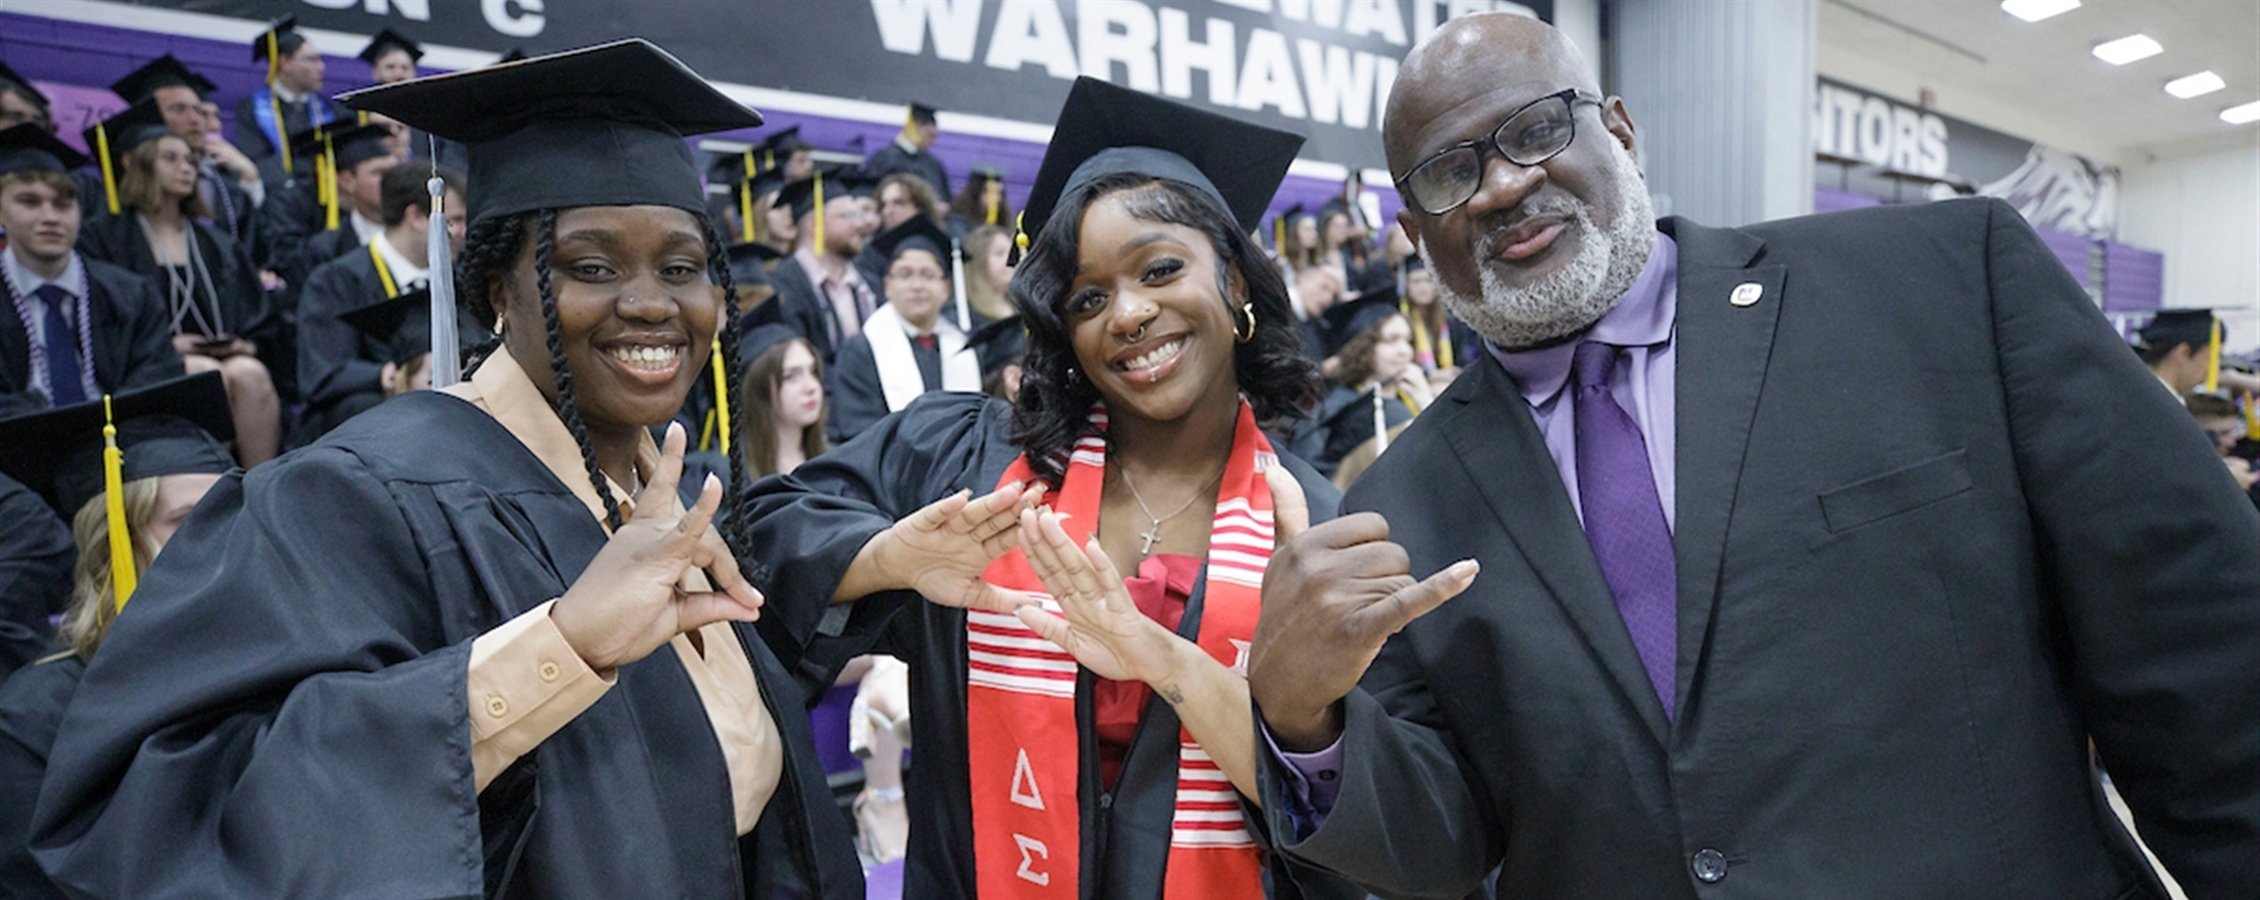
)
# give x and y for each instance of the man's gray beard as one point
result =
(1569, 299)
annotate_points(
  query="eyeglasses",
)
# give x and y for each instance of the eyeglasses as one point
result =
(1532, 134)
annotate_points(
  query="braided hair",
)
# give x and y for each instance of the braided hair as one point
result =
(491, 250)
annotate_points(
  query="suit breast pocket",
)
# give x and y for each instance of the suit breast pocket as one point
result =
(1891, 493)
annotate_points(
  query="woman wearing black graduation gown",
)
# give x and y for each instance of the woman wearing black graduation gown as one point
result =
(410, 660)
(221, 319)
(1380, 375)
(172, 458)
(1157, 337)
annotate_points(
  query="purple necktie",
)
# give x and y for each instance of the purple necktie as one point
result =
(1624, 520)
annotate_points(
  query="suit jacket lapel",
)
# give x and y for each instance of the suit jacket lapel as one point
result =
(1496, 440)
(1722, 350)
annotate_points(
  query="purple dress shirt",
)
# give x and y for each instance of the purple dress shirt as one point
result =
(1643, 383)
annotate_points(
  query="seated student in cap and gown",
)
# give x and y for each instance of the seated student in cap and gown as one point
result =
(909, 346)
(171, 436)
(76, 327)
(702, 412)
(980, 204)
(912, 151)
(392, 58)
(819, 289)
(1154, 350)
(289, 102)
(398, 331)
(219, 317)
(1378, 386)
(319, 219)
(527, 670)
(340, 370)
(227, 180)
(1441, 342)
(2181, 347)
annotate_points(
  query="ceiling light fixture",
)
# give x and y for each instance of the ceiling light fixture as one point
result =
(2127, 49)
(2197, 85)
(2036, 10)
(2238, 115)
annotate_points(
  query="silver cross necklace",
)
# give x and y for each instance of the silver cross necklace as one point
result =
(1153, 532)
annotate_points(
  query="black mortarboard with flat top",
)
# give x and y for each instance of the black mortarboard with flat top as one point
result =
(8, 76)
(915, 233)
(281, 38)
(781, 144)
(761, 339)
(749, 269)
(163, 72)
(1106, 130)
(387, 41)
(29, 148)
(2178, 326)
(1345, 321)
(599, 126)
(136, 125)
(171, 428)
(1000, 343)
(402, 324)
(351, 144)
(837, 180)
(922, 114)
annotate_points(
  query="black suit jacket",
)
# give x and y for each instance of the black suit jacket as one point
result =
(1937, 529)
(132, 337)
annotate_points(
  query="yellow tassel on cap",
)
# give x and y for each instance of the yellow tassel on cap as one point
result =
(721, 399)
(2213, 359)
(745, 200)
(1020, 230)
(122, 576)
(1279, 234)
(109, 171)
(819, 212)
(326, 170)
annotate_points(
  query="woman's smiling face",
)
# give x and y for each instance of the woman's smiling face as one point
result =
(636, 312)
(1146, 314)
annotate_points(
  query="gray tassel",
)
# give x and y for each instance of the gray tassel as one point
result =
(957, 273)
(447, 356)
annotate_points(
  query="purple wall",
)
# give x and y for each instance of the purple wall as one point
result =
(74, 62)
(2134, 280)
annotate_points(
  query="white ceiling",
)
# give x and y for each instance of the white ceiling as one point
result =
(2045, 69)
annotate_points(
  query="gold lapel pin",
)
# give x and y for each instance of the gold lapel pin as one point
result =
(1747, 294)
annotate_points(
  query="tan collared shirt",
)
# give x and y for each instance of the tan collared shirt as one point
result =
(527, 683)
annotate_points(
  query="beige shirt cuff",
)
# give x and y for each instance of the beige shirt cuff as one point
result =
(526, 683)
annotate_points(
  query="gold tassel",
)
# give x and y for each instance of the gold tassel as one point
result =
(384, 272)
(2213, 360)
(329, 161)
(819, 246)
(109, 172)
(992, 219)
(721, 398)
(1279, 235)
(745, 201)
(1020, 231)
(122, 576)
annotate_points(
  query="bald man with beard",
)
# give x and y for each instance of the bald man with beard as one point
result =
(1806, 560)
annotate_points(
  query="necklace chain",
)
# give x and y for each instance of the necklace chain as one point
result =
(1153, 530)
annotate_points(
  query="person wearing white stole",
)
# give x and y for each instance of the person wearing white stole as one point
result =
(907, 347)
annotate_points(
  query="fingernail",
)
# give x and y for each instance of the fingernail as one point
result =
(1466, 568)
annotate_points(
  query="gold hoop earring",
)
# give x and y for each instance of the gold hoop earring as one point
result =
(1246, 309)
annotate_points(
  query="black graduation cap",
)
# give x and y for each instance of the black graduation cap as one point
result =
(29, 148)
(136, 125)
(268, 46)
(763, 338)
(1345, 321)
(8, 76)
(1000, 343)
(779, 145)
(403, 324)
(599, 126)
(922, 114)
(2179, 326)
(387, 41)
(349, 145)
(749, 265)
(1104, 130)
(163, 72)
(836, 181)
(915, 233)
(172, 428)
(859, 181)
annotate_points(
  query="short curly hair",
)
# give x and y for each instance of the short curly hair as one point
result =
(1055, 402)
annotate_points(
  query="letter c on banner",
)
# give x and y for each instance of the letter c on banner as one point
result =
(516, 18)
